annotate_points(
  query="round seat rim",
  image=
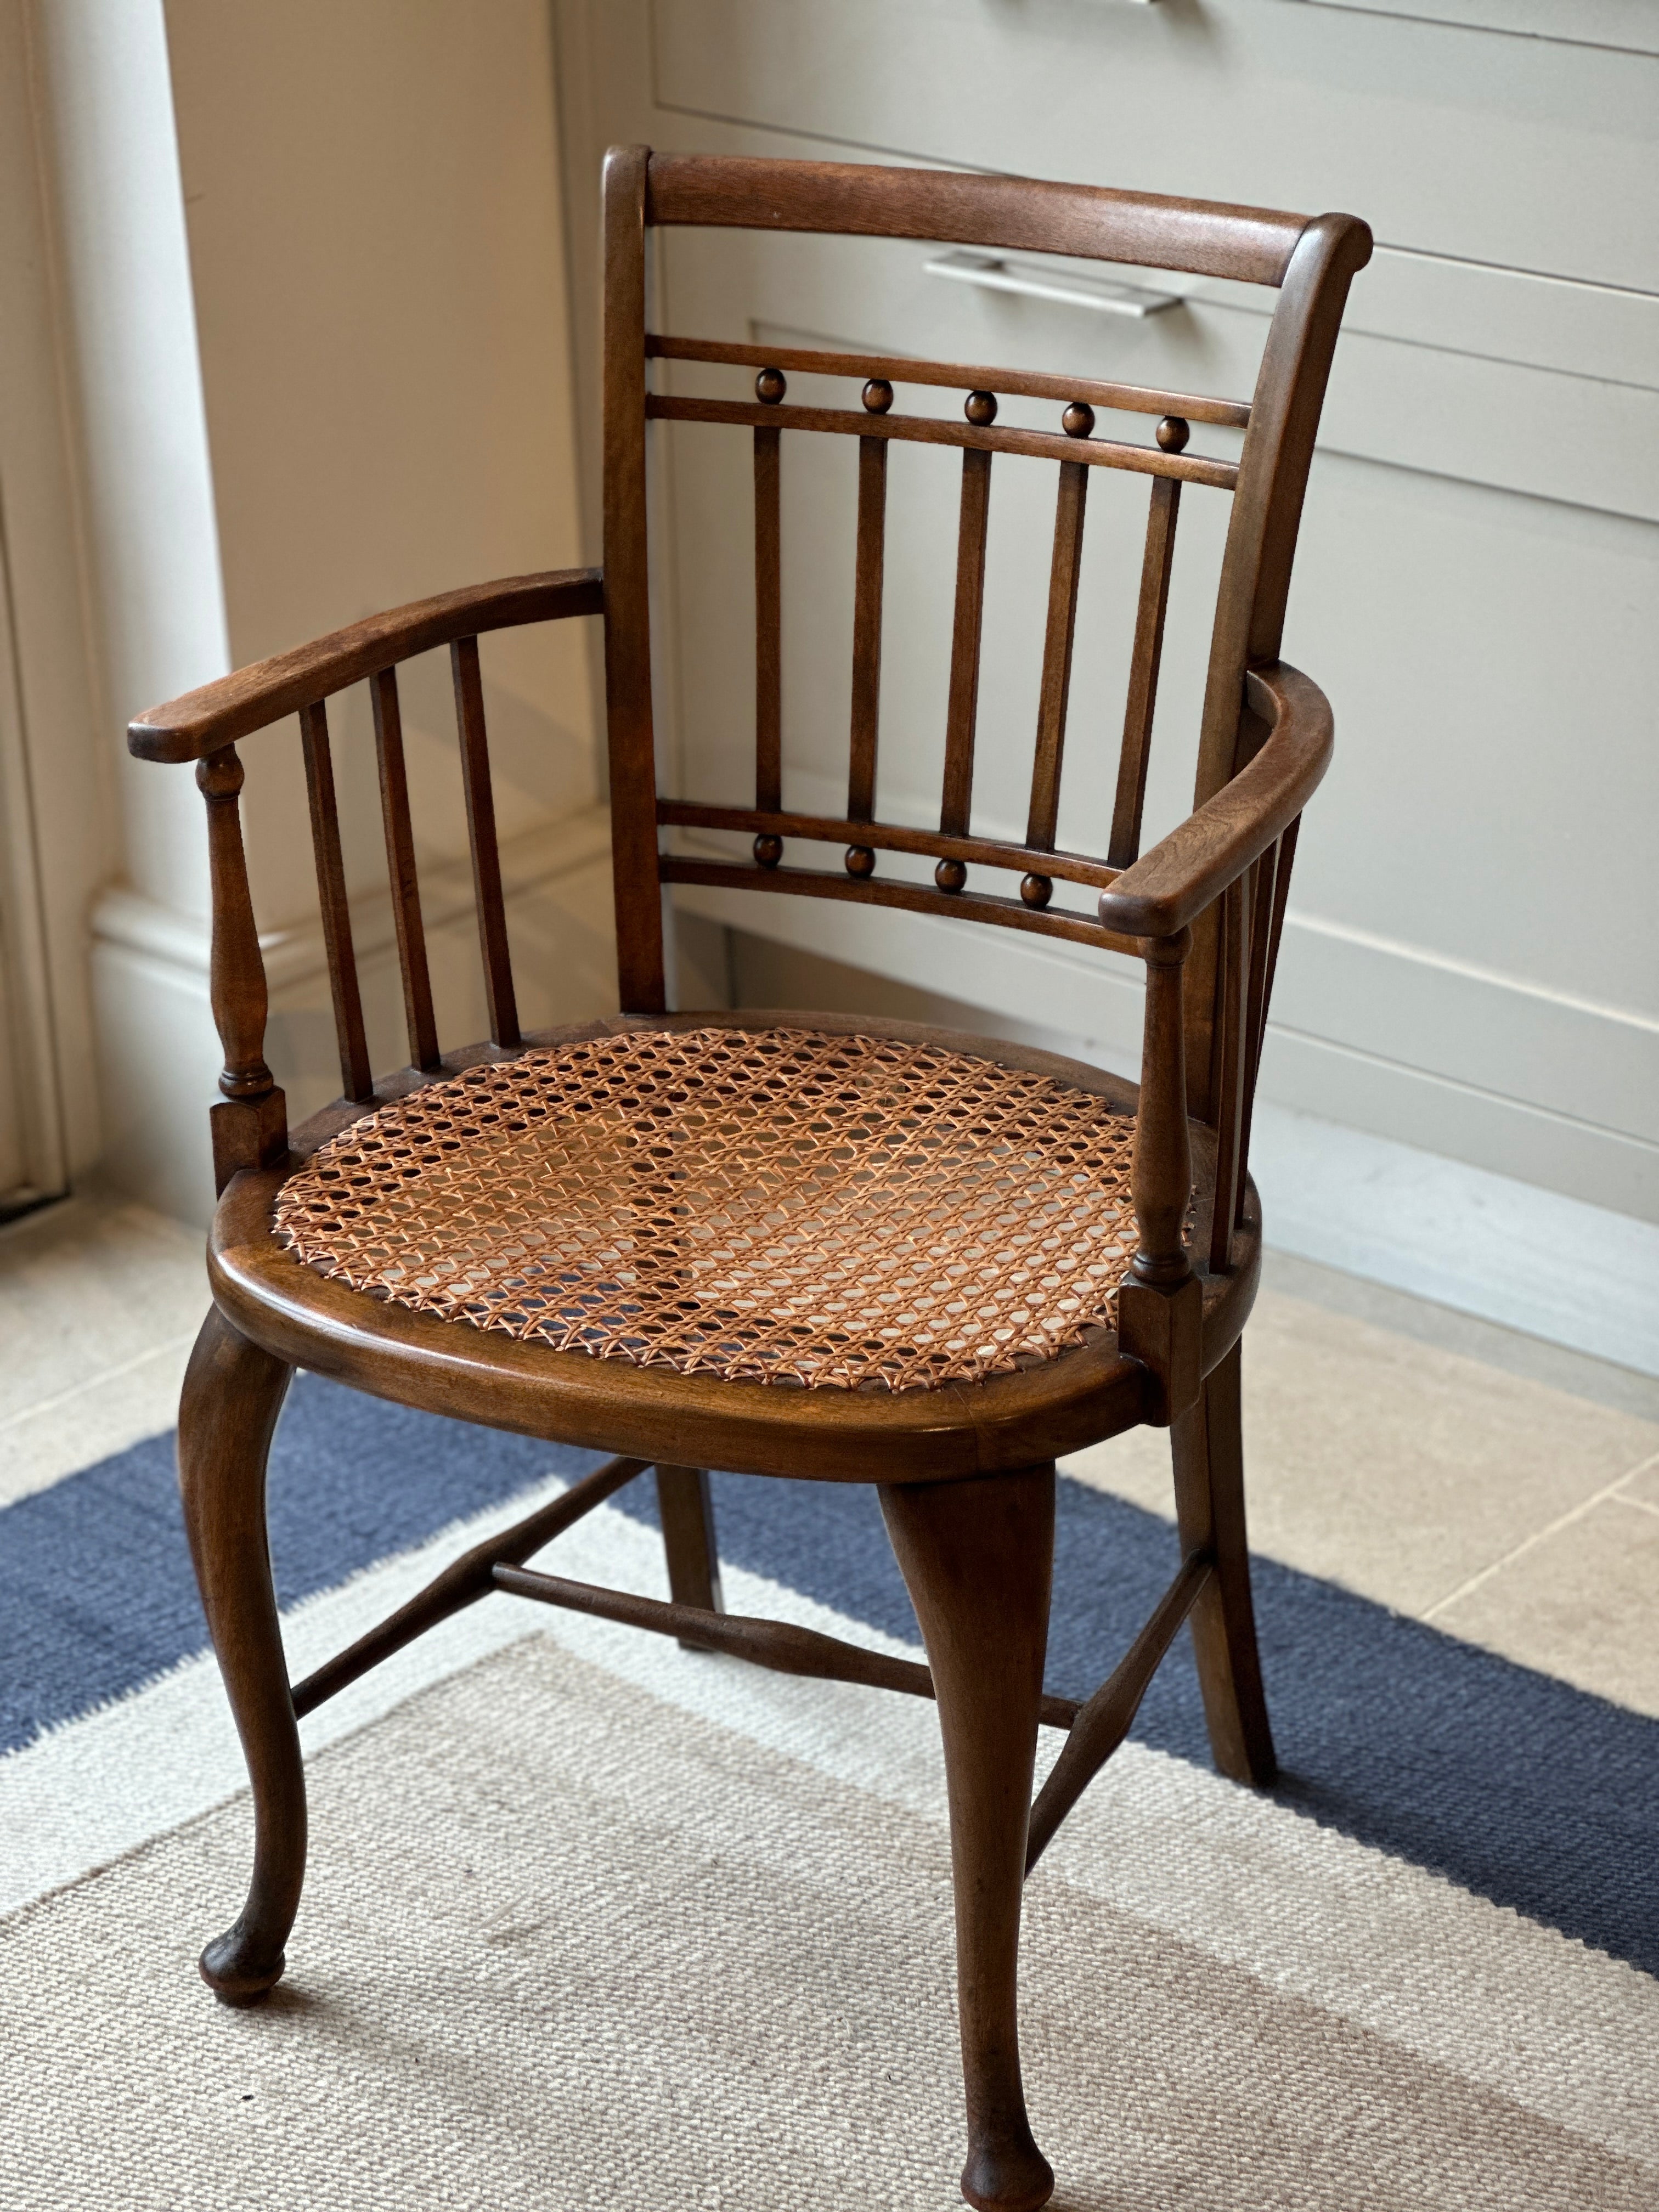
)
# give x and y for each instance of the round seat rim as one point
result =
(489, 1378)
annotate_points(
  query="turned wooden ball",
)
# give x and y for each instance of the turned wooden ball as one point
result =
(1035, 891)
(950, 875)
(770, 386)
(860, 860)
(769, 851)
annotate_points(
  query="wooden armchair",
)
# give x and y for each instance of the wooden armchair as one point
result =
(786, 1244)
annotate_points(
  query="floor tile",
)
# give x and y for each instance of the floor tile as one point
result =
(89, 1422)
(98, 1303)
(1578, 1604)
(1383, 1464)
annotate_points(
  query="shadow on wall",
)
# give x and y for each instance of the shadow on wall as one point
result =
(1528, 1792)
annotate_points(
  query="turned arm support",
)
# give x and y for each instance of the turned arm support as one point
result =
(1157, 899)
(250, 1126)
(1170, 887)
(250, 1123)
(218, 714)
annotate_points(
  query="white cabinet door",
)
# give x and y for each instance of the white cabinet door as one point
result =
(1470, 962)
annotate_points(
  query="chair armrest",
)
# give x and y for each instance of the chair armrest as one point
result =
(1171, 886)
(218, 714)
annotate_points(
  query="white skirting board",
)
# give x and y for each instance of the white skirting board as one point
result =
(1481, 1243)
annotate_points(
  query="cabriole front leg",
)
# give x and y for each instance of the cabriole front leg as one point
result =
(233, 1393)
(977, 1558)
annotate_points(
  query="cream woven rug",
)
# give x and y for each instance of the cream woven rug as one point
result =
(592, 1922)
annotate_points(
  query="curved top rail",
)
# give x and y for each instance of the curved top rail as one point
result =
(743, 192)
(201, 721)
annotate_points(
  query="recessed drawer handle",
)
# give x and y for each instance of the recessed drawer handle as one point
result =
(992, 274)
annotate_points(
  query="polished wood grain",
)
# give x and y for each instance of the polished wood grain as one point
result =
(1104, 1722)
(232, 1393)
(1262, 538)
(978, 1560)
(481, 836)
(1230, 1052)
(1053, 692)
(356, 1076)
(249, 1124)
(463, 1583)
(930, 430)
(1284, 859)
(1008, 383)
(914, 898)
(967, 626)
(401, 871)
(891, 837)
(1209, 1475)
(235, 706)
(769, 604)
(869, 573)
(1186, 872)
(685, 1506)
(640, 966)
(779, 1645)
(1252, 245)
(965, 1472)
(1159, 1307)
(1134, 756)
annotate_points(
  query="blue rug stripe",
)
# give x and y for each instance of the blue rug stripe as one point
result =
(96, 1591)
(1515, 1785)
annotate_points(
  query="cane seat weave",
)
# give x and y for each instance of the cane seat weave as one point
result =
(776, 1206)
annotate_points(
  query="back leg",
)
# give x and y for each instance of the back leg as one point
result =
(233, 1393)
(687, 1511)
(1209, 1480)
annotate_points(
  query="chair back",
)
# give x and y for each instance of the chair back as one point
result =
(1309, 263)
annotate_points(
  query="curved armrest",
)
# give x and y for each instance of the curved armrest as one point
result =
(1172, 885)
(202, 721)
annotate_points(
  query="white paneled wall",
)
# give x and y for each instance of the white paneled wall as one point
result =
(1470, 966)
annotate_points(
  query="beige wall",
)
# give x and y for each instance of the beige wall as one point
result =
(313, 338)
(374, 204)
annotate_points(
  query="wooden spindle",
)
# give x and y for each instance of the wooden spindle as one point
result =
(1259, 901)
(481, 831)
(1161, 1175)
(866, 614)
(250, 1123)
(1232, 969)
(1283, 854)
(1133, 760)
(963, 713)
(357, 1077)
(401, 870)
(1063, 576)
(1160, 1305)
(769, 388)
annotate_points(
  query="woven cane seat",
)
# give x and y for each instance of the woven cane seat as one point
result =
(777, 1206)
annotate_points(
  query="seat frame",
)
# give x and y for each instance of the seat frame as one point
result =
(965, 1472)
